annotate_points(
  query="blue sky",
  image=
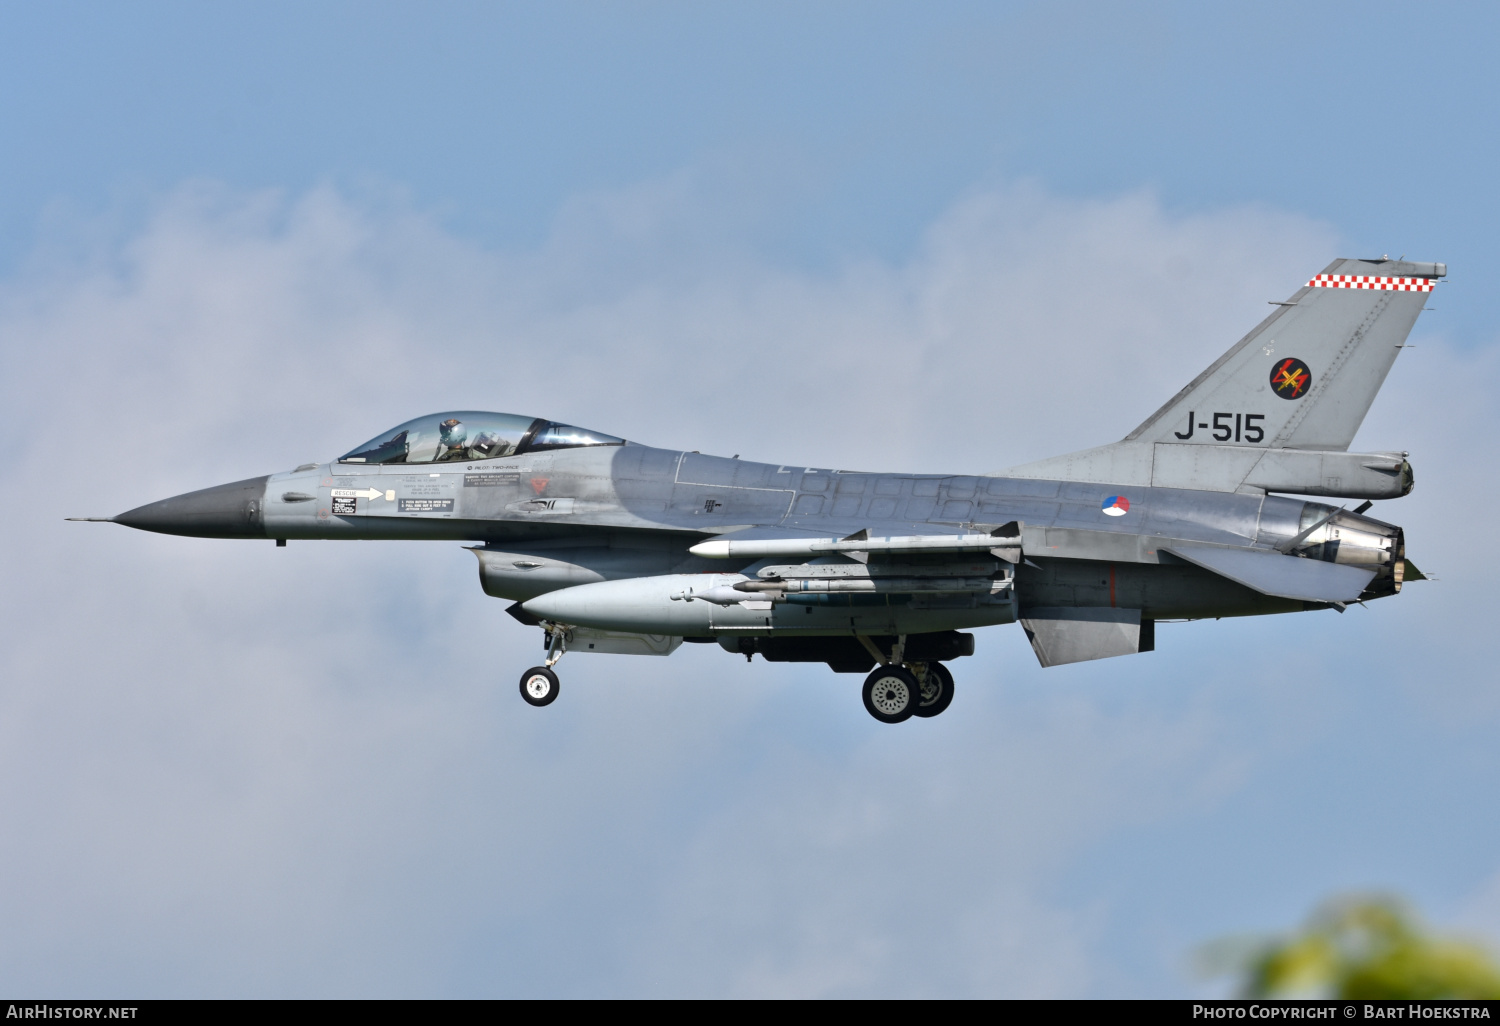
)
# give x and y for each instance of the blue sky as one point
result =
(855, 124)
(236, 239)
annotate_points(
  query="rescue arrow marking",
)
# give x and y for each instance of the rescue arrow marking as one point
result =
(349, 493)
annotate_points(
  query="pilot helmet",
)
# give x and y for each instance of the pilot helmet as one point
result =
(452, 433)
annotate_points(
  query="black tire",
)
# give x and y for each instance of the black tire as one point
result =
(543, 686)
(938, 693)
(891, 694)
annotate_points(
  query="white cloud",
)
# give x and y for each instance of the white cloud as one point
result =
(230, 769)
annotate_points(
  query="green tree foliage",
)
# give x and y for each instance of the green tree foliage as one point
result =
(1360, 947)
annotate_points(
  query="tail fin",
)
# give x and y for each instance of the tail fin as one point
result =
(1302, 380)
(1308, 372)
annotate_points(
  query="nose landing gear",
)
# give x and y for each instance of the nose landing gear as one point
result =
(539, 685)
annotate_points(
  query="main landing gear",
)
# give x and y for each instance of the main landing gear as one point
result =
(891, 694)
(895, 693)
(899, 690)
(937, 690)
(539, 685)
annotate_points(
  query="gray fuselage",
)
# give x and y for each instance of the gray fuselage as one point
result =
(549, 520)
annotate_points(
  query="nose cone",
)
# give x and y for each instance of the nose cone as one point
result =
(224, 511)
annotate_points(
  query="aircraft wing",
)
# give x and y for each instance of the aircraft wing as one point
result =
(1271, 573)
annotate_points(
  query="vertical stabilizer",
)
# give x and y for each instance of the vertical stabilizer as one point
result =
(1280, 408)
(1306, 376)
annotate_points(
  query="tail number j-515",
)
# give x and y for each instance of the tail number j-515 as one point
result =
(1237, 427)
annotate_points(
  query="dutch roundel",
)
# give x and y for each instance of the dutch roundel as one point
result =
(1116, 506)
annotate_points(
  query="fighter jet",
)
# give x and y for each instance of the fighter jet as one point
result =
(611, 546)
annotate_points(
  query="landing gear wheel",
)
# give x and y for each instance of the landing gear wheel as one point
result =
(539, 686)
(891, 694)
(937, 691)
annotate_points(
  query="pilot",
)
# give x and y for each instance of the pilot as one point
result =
(451, 437)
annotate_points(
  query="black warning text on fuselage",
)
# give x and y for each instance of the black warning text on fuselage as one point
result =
(1226, 427)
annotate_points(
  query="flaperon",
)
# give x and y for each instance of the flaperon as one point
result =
(611, 546)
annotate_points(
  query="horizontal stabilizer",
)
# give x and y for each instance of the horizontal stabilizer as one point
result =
(1271, 573)
(1076, 634)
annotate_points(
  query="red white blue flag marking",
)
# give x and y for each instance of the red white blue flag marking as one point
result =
(1116, 506)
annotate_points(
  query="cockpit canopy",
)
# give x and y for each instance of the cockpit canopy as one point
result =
(471, 435)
